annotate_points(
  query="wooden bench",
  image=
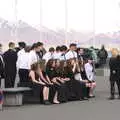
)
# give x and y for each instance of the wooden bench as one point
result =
(14, 96)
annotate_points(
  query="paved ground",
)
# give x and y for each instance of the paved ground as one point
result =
(96, 109)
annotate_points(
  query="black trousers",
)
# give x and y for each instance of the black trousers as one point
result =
(10, 79)
(24, 77)
(113, 80)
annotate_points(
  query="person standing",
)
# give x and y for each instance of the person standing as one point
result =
(49, 55)
(72, 52)
(42, 50)
(63, 52)
(57, 53)
(10, 59)
(102, 54)
(33, 56)
(23, 67)
(114, 65)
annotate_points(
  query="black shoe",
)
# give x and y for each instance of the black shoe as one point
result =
(46, 102)
(111, 98)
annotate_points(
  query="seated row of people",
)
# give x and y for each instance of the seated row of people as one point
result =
(61, 81)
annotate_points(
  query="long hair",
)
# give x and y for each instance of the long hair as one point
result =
(50, 63)
(35, 66)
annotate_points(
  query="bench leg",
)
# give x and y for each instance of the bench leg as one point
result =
(15, 99)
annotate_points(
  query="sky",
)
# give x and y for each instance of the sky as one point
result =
(81, 14)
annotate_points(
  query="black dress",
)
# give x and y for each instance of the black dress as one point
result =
(37, 89)
(77, 89)
(61, 89)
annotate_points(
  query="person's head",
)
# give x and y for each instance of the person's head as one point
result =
(57, 62)
(103, 47)
(35, 67)
(73, 47)
(114, 52)
(90, 60)
(51, 50)
(27, 49)
(50, 63)
(40, 44)
(71, 61)
(36, 47)
(80, 51)
(11, 45)
(64, 49)
(22, 45)
(63, 64)
(58, 49)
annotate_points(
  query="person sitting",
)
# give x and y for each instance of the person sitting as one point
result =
(37, 84)
(90, 73)
(53, 76)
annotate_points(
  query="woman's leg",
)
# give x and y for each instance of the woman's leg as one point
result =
(93, 86)
(45, 93)
(55, 100)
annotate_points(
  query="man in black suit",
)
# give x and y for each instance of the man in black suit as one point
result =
(10, 58)
(114, 75)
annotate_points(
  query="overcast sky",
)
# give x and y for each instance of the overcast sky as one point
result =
(80, 13)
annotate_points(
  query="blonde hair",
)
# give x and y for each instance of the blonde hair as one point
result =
(115, 52)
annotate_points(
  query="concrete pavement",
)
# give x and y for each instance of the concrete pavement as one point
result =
(95, 109)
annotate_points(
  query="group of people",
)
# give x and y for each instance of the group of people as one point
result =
(59, 75)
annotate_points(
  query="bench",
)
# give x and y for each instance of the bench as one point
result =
(14, 96)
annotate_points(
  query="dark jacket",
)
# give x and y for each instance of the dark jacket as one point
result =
(10, 59)
(114, 65)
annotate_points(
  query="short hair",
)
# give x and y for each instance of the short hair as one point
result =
(51, 49)
(58, 48)
(11, 44)
(63, 48)
(39, 43)
(35, 45)
(22, 44)
(73, 45)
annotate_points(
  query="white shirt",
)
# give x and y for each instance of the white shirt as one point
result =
(57, 55)
(48, 56)
(22, 51)
(33, 58)
(89, 71)
(71, 54)
(23, 61)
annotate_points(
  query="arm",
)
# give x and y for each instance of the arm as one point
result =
(48, 79)
(32, 75)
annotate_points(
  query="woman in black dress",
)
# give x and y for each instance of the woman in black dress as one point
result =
(78, 87)
(58, 84)
(37, 84)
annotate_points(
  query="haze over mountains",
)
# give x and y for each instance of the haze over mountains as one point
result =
(30, 34)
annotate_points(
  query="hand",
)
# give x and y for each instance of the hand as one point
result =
(42, 83)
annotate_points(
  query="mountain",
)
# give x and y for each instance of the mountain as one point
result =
(22, 31)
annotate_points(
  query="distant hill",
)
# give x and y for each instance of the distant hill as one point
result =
(30, 34)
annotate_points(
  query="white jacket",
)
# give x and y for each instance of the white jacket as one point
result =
(89, 72)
